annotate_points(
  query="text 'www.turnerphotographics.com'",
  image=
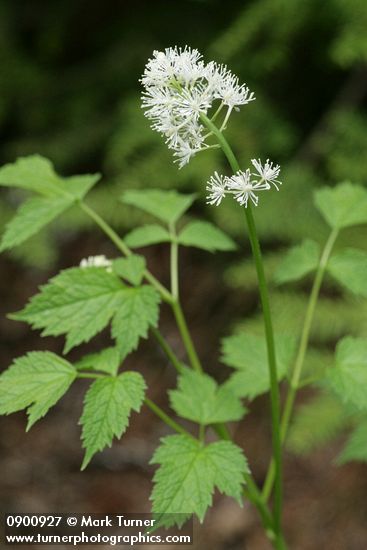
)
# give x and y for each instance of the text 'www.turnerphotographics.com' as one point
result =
(98, 529)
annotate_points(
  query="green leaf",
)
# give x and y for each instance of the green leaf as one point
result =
(348, 378)
(299, 261)
(107, 360)
(35, 381)
(77, 302)
(349, 268)
(33, 173)
(206, 236)
(190, 471)
(80, 302)
(147, 235)
(167, 206)
(248, 354)
(316, 423)
(107, 407)
(78, 186)
(138, 311)
(356, 446)
(31, 216)
(37, 174)
(342, 206)
(131, 268)
(198, 398)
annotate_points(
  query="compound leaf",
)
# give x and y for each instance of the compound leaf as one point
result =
(206, 236)
(342, 206)
(198, 398)
(107, 360)
(349, 268)
(147, 235)
(131, 268)
(316, 423)
(189, 472)
(35, 173)
(348, 378)
(77, 302)
(299, 261)
(107, 407)
(138, 311)
(248, 354)
(167, 206)
(31, 217)
(356, 446)
(35, 381)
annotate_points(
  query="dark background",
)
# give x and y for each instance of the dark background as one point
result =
(69, 90)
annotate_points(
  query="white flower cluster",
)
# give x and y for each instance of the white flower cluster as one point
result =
(178, 88)
(96, 261)
(244, 185)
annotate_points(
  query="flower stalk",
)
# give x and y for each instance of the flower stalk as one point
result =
(269, 333)
(300, 358)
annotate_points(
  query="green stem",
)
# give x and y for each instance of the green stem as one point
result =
(176, 307)
(263, 290)
(303, 344)
(111, 233)
(167, 350)
(186, 337)
(174, 263)
(166, 419)
(166, 295)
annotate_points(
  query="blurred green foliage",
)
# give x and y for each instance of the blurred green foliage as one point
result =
(70, 91)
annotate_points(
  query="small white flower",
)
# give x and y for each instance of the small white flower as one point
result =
(96, 261)
(216, 188)
(178, 88)
(267, 172)
(184, 152)
(232, 93)
(244, 189)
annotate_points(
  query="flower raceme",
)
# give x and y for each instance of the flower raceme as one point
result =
(178, 88)
(244, 186)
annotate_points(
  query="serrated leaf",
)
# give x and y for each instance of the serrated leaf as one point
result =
(78, 186)
(36, 173)
(349, 268)
(147, 235)
(248, 354)
(31, 216)
(107, 360)
(198, 398)
(190, 471)
(348, 378)
(33, 173)
(77, 302)
(206, 236)
(342, 206)
(167, 206)
(316, 423)
(138, 311)
(131, 268)
(107, 407)
(356, 446)
(298, 262)
(35, 381)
